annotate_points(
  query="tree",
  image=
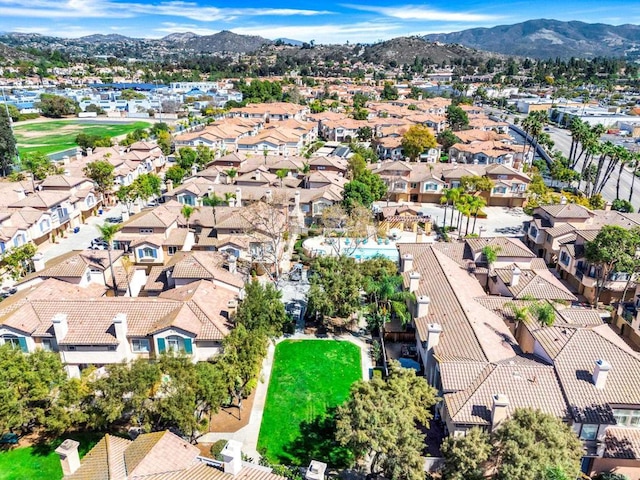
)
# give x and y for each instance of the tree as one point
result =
(451, 197)
(101, 172)
(187, 211)
(475, 183)
(240, 362)
(613, 250)
(164, 142)
(530, 442)
(457, 118)
(268, 227)
(610, 476)
(365, 134)
(262, 309)
(490, 254)
(186, 157)
(204, 156)
(378, 422)
(29, 388)
(85, 141)
(335, 287)
(18, 261)
(8, 148)
(465, 456)
(212, 200)
(107, 232)
(447, 139)
(147, 186)
(57, 106)
(231, 174)
(389, 92)
(356, 193)
(356, 165)
(387, 299)
(476, 203)
(176, 174)
(622, 206)
(416, 140)
(40, 165)
(282, 174)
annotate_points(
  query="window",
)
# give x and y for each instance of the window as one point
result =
(549, 238)
(11, 340)
(589, 432)
(45, 225)
(430, 186)
(565, 258)
(47, 345)
(140, 345)
(146, 230)
(147, 253)
(414, 185)
(533, 231)
(174, 343)
(627, 418)
(172, 250)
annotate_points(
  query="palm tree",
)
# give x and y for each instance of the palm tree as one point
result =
(635, 162)
(388, 299)
(213, 200)
(464, 207)
(228, 196)
(187, 211)
(476, 203)
(305, 170)
(107, 232)
(452, 195)
(231, 174)
(490, 254)
(282, 174)
(520, 314)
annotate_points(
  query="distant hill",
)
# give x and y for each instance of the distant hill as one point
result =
(549, 39)
(405, 49)
(226, 41)
(289, 41)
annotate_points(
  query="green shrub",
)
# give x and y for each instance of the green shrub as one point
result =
(216, 448)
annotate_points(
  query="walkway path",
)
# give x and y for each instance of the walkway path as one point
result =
(248, 435)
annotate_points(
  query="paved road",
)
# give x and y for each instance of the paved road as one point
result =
(80, 240)
(562, 139)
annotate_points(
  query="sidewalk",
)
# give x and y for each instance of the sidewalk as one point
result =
(248, 435)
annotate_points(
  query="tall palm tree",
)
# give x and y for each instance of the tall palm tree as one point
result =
(625, 158)
(282, 174)
(463, 206)
(388, 299)
(490, 254)
(476, 203)
(187, 211)
(635, 162)
(452, 195)
(213, 200)
(107, 232)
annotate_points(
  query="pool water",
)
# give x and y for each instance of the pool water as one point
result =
(367, 253)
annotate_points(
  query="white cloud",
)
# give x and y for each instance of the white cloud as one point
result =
(418, 12)
(363, 32)
(111, 9)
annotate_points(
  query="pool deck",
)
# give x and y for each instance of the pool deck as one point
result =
(360, 249)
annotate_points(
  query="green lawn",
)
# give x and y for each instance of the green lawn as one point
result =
(57, 135)
(308, 378)
(40, 461)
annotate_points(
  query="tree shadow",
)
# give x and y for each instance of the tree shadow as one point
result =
(317, 441)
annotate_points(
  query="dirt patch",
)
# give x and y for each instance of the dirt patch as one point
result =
(226, 420)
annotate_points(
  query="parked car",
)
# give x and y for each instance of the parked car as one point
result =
(114, 219)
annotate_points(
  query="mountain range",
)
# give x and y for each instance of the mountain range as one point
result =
(549, 39)
(534, 38)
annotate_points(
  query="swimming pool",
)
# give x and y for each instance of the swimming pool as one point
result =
(367, 253)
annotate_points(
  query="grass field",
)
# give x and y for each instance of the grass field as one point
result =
(309, 377)
(40, 461)
(57, 135)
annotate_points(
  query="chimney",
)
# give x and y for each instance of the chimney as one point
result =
(194, 170)
(210, 190)
(434, 330)
(268, 195)
(232, 307)
(422, 306)
(169, 184)
(38, 262)
(120, 326)
(257, 175)
(233, 263)
(315, 471)
(232, 457)
(69, 458)
(66, 160)
(60, 326)
(125, 213)
(515, 276)
(238, 197)
(414, 281)
(600, 373)
(499, 410)
(563, 200)
(607, 206)
(296, 199)
(406, 263)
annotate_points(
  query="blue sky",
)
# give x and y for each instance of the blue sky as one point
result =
(329, 21)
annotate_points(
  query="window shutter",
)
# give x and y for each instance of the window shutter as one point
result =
(154, 253)
(188, 348)
(23, 344)
(162, 347)
(140, 253)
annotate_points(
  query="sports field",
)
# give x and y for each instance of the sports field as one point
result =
(57, 135)
(308, 379)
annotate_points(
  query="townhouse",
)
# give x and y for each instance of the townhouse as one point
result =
(425, 183)
(558, 234)
(87, 330)
(486, 153)
(486, 362)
